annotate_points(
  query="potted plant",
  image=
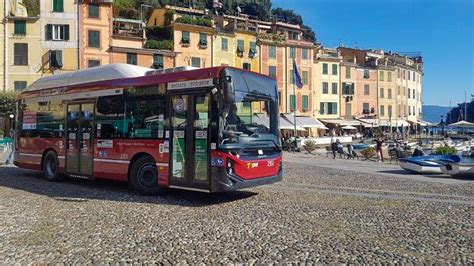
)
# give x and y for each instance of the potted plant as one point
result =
(446, 150)
(368, 152)
(310, 146)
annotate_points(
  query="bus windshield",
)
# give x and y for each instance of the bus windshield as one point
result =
(250, 121)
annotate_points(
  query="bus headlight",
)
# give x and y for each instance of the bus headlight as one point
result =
(230, 166)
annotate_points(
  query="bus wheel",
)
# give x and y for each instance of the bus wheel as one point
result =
(51, 166)
(144, 176)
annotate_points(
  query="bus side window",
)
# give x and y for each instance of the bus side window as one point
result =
(110, 117)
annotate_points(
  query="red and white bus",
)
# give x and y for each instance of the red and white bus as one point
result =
(210, 130)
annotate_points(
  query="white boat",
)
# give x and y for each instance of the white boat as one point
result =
(424, 164)
(459, 168)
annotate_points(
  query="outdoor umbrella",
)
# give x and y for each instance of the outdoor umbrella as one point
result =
(463, 124)
(348, 127)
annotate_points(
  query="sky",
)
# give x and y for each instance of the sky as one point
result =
(442, 30)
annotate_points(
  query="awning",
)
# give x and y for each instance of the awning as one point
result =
(462, 123)
(286, 124)
(262, 119)
(369, 122)
(349, 127)
(342, 122)
(309, 122)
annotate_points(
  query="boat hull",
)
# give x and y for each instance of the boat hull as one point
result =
(421, 169)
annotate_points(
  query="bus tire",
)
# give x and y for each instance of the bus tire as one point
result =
(51, 166)
(144, 176)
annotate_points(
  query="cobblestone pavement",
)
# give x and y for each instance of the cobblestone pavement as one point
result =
(324, 211)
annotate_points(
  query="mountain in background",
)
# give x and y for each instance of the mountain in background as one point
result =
(433, 113)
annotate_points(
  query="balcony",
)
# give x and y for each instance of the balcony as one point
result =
(128, 28)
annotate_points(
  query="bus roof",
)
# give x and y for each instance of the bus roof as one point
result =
(89, 75)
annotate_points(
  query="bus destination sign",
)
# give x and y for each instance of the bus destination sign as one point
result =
(190, 84)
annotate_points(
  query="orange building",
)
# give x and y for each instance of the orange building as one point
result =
(127, 42)
(95, 34)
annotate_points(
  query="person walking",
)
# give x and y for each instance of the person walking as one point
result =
(334, 149)
(350, 151)
(378, 148)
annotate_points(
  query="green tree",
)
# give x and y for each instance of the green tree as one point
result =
(289, 16)
(7, 103)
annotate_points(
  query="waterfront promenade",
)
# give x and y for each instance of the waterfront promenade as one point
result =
(323, 211)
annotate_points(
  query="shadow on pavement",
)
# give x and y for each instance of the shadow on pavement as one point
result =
(80, 190)
(404, 172)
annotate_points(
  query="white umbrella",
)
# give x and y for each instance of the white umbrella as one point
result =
(348, 127)
(462, 123)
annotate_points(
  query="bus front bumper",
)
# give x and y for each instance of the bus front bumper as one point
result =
(226, 182)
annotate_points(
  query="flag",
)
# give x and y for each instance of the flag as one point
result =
(296, 76)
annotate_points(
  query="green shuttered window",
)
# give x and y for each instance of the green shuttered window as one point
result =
(292, 102)
(20, 27)
(58, 5)
(305, 100)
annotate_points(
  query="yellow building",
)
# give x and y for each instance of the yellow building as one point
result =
(387, 98)
(192, 34)
(327, 88)
(223, 50)
(22, 64)
(58, 25)
(95, 20)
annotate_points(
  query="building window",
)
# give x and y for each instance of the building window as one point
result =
(348, 72)
(398, 90)
(158, 61)
(185, 39)
(366, 89)
(382, 94)
(409, 93)
(240, 47)
(389, 110)
(305, 103)
(202, 40)
(20, 85)
(20, 54)
(58, 5)
(382, 110)
(334, 88)
(404, 76)
(93, 39)
(93, 11)
(334, 69)
(132, 58)
(292, 52)
(279, 98)
(389, 76)
(272, 52)
(293, 35)
(328, 108)
(272, 71)
(292, 102)
(409, 75)
(20, 27)
(196, 62)
(389, 93)
(304, 54)
(365, 108)
(348, 88)
(292, 81)
(366, 73)
(304, 77)
(381, 75)
(57, 32)
(325, 88)
(93, 63)
(247, 66)
(325, 69)
(55, 59)
(253, 49)
(224, 44)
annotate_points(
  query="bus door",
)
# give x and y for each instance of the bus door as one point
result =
(189, 133)
(79, 139)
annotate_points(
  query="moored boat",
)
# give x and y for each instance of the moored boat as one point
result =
(459, 167)
(425, 164)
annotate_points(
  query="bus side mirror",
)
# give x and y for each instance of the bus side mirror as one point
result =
(228, 89)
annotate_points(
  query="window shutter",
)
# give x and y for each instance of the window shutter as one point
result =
(334, 108)
(60, 5)
(321, 108)
(49, 32)
(66, 32)
(292, 102)
(59, 58)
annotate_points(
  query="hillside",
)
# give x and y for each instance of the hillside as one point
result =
(433, 113)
